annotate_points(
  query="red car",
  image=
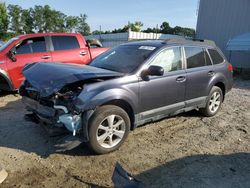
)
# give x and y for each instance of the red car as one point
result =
(41, 47)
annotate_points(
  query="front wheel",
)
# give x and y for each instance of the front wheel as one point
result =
(214, 102)
(108, 128)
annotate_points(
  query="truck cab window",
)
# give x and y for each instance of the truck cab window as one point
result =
(65, 42)
(31, 45)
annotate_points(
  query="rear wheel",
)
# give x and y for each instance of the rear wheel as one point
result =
(214, 102)
(108, 129)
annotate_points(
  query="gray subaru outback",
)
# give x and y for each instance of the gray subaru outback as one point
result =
(125, 87)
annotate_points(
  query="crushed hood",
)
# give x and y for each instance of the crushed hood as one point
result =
(48, 78)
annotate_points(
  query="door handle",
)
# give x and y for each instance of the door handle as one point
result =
(46, 57)
(181, 79)
(83, 53)
(211, 73)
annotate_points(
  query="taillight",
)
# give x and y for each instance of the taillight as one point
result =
(230, 67)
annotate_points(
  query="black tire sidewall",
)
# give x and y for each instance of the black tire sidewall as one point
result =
(207, 111)
(99, 115)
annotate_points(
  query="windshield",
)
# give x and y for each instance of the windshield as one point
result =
(7, 43)
(124, 58)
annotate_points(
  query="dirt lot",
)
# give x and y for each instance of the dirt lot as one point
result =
(183, 151)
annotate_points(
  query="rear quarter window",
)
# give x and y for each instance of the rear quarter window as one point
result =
(65, 42)
(215, 55)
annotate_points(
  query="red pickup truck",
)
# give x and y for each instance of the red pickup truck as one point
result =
(41, 47)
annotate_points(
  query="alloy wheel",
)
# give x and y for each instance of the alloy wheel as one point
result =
(111, 131)
(214, 102)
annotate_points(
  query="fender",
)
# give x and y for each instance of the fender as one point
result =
(91, 101)
(218, 77)
(6, 77)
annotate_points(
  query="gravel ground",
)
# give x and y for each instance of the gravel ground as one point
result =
(183, 151)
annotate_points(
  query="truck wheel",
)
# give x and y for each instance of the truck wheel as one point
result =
(214, 102)
(108, 128)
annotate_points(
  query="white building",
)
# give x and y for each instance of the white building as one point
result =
(222, 20)
(114, 39)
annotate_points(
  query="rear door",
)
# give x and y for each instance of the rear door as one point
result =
(67, 49)
(199, 71)
(30, 50)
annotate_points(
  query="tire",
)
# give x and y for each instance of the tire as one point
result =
(213, 103)
(108, 129)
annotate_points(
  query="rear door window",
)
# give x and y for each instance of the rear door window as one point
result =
(31, 45)
(216, 57)
(65, 42)
(196, 57)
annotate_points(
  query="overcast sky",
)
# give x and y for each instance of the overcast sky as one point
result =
(112, 14)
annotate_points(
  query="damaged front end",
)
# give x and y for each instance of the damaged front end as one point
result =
(51, 93)
(57, 110)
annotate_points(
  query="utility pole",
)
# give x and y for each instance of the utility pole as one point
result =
(100, 31)
(156, 31)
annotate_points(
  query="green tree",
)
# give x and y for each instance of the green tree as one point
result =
(97, 32)
(71, 23)
(136, 26)
(38, 18)
(27, 20)
(48, 20)
(187, 32)
(14, 12)
(165, 28)
(151, 30)
(120, 30)
(53, 20)
(83, 26)
(3, 19)
(58, 18)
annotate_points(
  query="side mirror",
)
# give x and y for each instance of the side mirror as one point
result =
(12, 55)
(94, 43)
(154, 70)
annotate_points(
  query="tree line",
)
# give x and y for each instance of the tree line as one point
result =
(164, 28)
(15, 20)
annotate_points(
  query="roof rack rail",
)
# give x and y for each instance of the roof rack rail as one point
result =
(192, 40)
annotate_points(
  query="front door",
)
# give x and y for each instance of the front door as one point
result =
(30, 50)
(160, 95)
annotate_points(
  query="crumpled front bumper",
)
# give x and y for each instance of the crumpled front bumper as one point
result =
(49, 119)
(38, 109)
(45, 116)
(57, 117)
